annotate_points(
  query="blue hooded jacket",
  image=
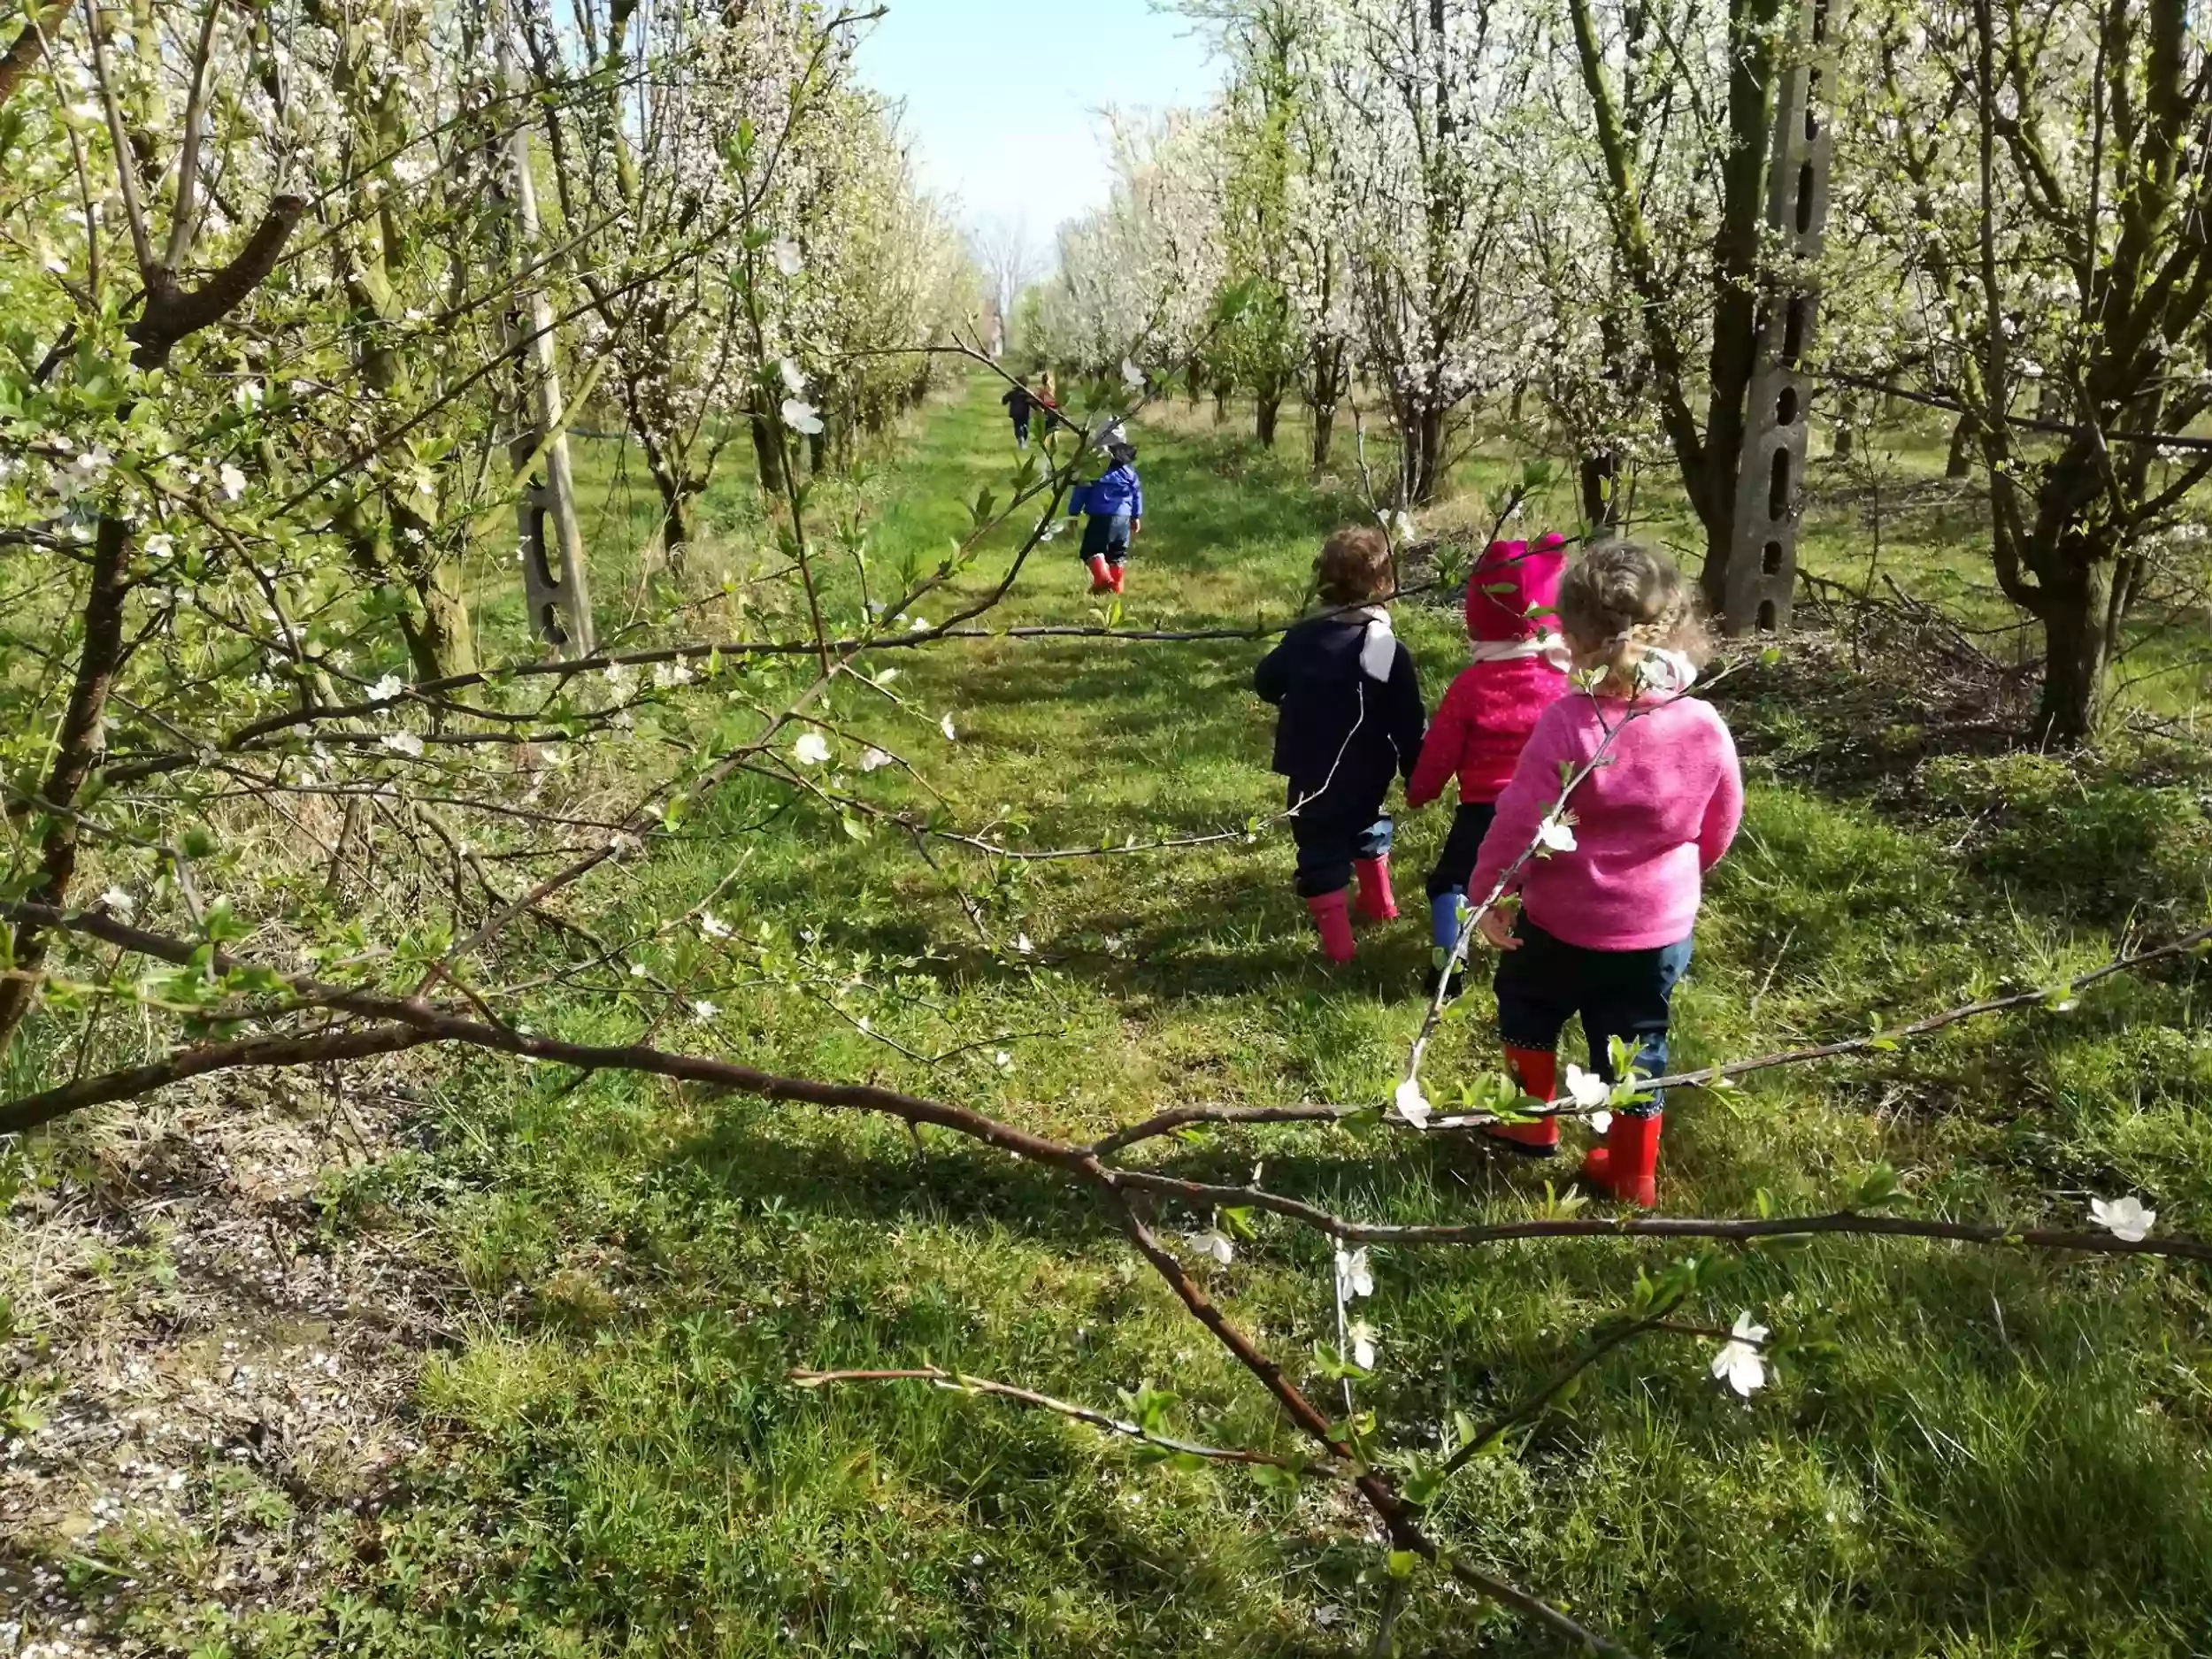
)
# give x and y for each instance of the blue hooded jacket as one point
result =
(1118, 492)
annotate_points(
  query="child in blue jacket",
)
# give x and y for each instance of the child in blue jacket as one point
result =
(1112, 506)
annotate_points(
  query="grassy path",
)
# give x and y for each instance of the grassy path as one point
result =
(1972, 1456)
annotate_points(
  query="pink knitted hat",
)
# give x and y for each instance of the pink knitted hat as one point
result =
(1510, 580)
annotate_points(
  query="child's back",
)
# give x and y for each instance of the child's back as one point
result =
(1349, 717)
(1520, 669)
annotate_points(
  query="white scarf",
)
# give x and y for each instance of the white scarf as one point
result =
(1379, 651)
(1665, 673)
(1550, 647)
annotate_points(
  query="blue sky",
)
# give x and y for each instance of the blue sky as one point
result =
(1002, 95)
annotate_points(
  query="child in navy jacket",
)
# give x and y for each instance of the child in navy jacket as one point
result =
(1113, 508)
(1350, 716)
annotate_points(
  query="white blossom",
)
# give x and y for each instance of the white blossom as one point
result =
(231, 483)
(1586, 1089)
(1741, 1363)
(2124, 1218)
(386, 688)
(121, 903)
(1022, 946)
(1364, 1338)
(784, 252)
(952, 735)
(712, 926)
(1353, 1276)
(405, 742)
(703, 1011)
(915, 625)
(1413, 1106)
(811, 749)
(1132, 376)
(801, 417)
(793, 381)
(1216, 1243)
(1556, 835)
(668, 676)
(875, 760)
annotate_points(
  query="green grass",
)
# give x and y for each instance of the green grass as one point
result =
(1979, 1454)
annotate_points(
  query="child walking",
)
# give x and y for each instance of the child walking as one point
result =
(1350, 717)
(1112, 506)
(1021, 402)
(1605, 920)
(1520, 669)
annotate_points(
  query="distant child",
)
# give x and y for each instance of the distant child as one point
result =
(1351, 715)
(1520, 669)
(1605, 920)
(1112, 506)
(1019, 402)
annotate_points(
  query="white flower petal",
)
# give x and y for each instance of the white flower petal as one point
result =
(386, 688)
(811, 749)
(1588, 1089)
(875, 760)
(952, 734)
(1353, 1276)
(787, 256)
(1412, 1105)
(1132, 376)
(1363, 1337)
(405, 742)
(793, 381)
(119, 902)
(801, 417)
(231, 483)
(2126, 1218)
(1216, 1243)
(1555, 836)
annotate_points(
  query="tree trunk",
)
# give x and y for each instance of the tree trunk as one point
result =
(1425, 458)
(768, 454)
(817, 452)
(2078, 649)
(1961, 461)
(1847, 428)
(1222, 389)
(1601, 490)
(1324, 430)
(78, 746)
(1271, 404)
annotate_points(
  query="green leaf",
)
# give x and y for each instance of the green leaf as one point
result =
(1401, 1562)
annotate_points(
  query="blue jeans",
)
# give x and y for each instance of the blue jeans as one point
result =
(1328, 843)
(1625, 994)
(1106, 533)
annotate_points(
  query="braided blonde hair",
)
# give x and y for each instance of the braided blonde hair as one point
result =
(1621, 600)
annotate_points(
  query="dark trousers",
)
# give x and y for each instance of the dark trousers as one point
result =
(1456, 862)
(1624, 994)
(1021, 429)
(1328, 843)
(1107, 533)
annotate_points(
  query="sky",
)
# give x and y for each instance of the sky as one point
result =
(1003, 96)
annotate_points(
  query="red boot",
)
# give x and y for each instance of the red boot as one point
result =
(1102, 578)
(1115, 576)
(1376, 902)
(1627, 1165)
(1537, 1071)
(1333, 919)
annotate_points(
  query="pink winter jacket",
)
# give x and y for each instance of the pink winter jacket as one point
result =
(1492, 707)
(1647, 823)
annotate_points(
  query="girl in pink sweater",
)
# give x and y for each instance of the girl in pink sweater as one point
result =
(1606, 910)
(1520, 669)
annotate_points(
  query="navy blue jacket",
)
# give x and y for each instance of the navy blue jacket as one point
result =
(1118, 491)
(1336, 726)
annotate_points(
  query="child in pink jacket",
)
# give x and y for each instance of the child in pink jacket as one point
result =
(1606, 913)
(1520, 669)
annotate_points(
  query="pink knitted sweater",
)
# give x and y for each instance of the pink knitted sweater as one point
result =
(1647, 823)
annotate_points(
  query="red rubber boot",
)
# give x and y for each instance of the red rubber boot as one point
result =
(1627, 1165)
(1102, 578)
(1377, 903)
(1331, 918)
(1114, 575)
(1537, 1070)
